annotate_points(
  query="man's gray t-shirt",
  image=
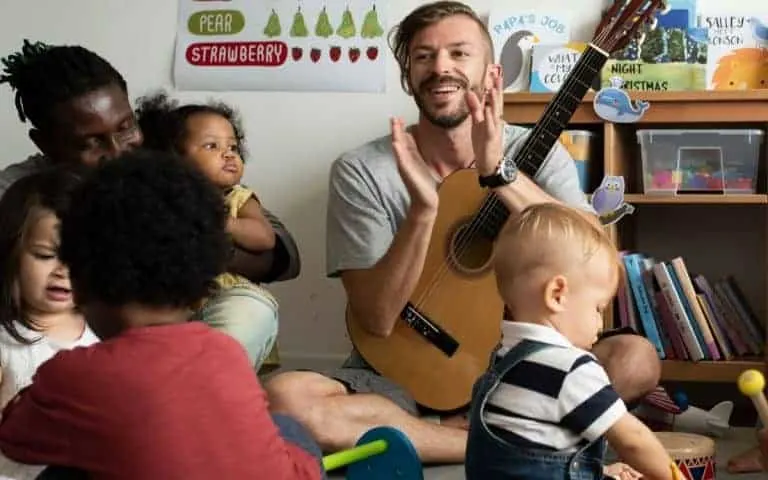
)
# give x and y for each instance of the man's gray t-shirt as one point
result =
(10, 174)
(367, 200)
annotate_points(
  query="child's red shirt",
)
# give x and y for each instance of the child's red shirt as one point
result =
(176, 401)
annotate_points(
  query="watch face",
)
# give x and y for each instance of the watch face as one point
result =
(508, 170)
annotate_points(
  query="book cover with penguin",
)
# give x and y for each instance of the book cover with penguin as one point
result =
(514, 32)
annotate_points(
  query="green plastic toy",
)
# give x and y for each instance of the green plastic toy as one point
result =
(382, 453)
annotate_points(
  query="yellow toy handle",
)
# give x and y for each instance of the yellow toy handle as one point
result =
(676, 473)
(752, 383)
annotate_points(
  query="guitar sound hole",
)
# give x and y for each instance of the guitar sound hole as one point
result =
(470, 250)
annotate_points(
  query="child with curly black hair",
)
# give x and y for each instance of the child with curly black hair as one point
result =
(210, 137)
(161, 396)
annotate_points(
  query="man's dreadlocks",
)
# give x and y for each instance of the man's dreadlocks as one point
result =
(44, 76)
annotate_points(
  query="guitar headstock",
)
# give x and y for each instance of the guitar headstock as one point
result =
(623, 21)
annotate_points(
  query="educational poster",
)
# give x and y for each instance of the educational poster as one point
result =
(514, 33)
(288, 45)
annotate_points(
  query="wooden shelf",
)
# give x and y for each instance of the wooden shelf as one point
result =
(714, 242)
(674, 97)
(666, 107)
(696, 199)
(721, 371)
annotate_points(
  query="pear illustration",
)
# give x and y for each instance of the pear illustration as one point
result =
(323, 27)
(273, 25)
(299, 28)
(371, 26)
(347, 27)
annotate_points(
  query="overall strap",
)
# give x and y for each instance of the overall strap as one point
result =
(504, 364)
(515, 355)
(490, 381)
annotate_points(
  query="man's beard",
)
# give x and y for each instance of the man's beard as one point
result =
(447, 121)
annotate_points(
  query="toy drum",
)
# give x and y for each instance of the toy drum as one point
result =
(693, 454)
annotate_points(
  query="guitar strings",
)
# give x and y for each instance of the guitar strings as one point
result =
(491, 201)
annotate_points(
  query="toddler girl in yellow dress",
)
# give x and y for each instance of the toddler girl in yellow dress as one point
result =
(210, 136)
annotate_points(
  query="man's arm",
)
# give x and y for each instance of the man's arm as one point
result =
(377, 295)
(10, 174)
(379, 262)
(281, 263)
(556, 182)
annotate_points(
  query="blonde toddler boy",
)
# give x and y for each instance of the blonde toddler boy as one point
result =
(546, 407)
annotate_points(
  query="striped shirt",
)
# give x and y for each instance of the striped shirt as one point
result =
(556, 398)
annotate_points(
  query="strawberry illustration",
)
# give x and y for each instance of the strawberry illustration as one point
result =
(372, 53)
(354, 54)
(335, 53)
(314, 54)
(296, 53)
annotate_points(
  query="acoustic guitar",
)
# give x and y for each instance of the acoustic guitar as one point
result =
(445, 335)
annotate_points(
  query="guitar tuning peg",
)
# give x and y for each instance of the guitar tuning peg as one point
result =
(666, 7)
(653, 22)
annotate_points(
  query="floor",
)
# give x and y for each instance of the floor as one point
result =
(737, 440)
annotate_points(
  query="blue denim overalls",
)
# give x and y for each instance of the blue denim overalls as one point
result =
(491, 457)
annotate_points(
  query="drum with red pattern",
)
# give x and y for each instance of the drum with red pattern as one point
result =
(693, 454)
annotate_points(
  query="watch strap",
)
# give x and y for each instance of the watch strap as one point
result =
(492, 181)
(501, 177)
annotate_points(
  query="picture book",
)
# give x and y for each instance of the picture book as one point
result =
(514, 32)
(671, 57)
(551, 64)
(737, 40)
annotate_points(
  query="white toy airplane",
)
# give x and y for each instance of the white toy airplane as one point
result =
(662, 413)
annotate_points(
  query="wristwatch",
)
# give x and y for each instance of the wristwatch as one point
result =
(506, 173)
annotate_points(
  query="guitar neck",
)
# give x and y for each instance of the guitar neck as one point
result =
(548, 129)
(559, 111)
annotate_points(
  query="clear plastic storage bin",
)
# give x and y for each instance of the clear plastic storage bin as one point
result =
(705, 161)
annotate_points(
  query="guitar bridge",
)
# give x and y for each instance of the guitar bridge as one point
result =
(432, 333)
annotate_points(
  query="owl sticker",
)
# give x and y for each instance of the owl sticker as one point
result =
(608, 200)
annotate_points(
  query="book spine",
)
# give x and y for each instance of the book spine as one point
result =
(678, 312)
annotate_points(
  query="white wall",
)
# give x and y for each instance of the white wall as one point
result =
(293, 136)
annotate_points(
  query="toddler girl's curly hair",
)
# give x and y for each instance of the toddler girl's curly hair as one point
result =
(164, 122)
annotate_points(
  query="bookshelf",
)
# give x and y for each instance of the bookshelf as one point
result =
(715, 234)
